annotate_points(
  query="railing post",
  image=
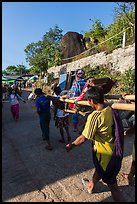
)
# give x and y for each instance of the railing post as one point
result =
(124, 40)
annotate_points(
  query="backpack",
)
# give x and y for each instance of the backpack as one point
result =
(44, 104)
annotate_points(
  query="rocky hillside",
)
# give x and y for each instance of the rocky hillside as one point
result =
(119, 60)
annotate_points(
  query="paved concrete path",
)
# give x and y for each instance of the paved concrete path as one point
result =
(30, 173)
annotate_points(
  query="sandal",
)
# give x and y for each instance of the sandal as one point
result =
(69, 139)
(48, 147)
(84, 180)
(62, 141)
(126, 178)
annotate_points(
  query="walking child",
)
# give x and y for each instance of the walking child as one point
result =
(14, 100)
(61, 119)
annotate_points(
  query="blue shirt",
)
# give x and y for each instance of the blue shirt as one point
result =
(76, 88)
(75, 118)
(43, 103)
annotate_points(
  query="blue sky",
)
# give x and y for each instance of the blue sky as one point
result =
(27, 22)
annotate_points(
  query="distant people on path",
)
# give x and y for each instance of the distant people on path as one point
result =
(105, 131)
(31, 96)
(23, 84)
(14, 101)
(53, 86)
(43, 109)
(61, 119)
(4, 92)
(18, 89)
(10, 87)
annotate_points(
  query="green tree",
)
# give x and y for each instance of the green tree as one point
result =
(109, 38)
(18, 69)
(45, 53)
(97, 30)
(21, 69)
(114, 32)
(54, 35)
(28, 70)
(126, 10)
(4, 72)
(124, 17)
(11, 69)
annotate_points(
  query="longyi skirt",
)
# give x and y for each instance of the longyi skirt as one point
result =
(62, 121)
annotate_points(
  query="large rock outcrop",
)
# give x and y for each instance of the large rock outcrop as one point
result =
(72, 44)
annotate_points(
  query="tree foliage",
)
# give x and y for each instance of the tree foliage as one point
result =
(45, 53)
(11, 68)
(124, 18)
(126, 10)
(128, 81)
(21, 69)
(97, 30)
(18, 69)
(4, 72)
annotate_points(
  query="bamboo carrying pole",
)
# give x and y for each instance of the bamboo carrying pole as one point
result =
(119, 96)
(119, 106)
(74, 111)
(123, 106)
(129, 97)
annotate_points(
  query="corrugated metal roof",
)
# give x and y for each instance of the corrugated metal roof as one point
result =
(13, 77)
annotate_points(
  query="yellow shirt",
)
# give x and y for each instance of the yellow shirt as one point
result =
(98, 128)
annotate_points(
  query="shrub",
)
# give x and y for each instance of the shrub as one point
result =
(128, 81)
(125, 82)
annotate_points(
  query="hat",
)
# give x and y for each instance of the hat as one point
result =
(38, 91)
(80, 73)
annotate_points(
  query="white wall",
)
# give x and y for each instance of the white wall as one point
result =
(119, 60)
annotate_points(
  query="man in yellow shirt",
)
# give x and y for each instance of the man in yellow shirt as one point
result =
(104, 129)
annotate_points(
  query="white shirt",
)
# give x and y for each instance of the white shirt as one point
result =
(31, 96)
(14, 99)
(61, 113)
